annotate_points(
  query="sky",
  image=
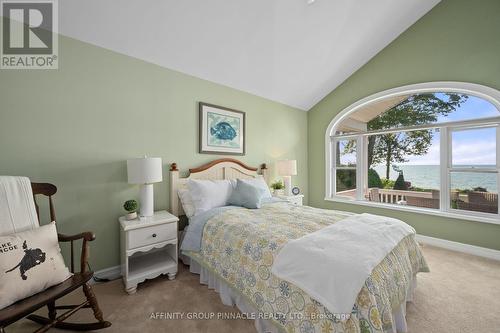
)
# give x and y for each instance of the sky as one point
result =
(477, 147)
(469, 147)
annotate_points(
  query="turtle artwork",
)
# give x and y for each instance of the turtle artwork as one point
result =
(31, 258)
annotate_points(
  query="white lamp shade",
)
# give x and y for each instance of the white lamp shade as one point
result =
(286, 167)
(145, 170)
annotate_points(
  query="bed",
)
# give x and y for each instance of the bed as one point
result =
(238, 247)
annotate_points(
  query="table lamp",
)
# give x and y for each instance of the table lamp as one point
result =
(287, 169)
(145, 171)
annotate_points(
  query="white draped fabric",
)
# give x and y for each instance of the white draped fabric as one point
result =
(17, 206)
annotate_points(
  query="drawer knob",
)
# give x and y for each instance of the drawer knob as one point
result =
(154, 235)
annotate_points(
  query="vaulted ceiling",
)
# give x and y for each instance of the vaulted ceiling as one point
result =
(284, 50)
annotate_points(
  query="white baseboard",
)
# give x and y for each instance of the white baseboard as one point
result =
(460, 247)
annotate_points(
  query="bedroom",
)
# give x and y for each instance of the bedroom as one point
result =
(311, 81)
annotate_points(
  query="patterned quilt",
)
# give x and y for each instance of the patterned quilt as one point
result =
(240, 245)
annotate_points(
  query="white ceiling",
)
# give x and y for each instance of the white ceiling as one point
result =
(283, 50)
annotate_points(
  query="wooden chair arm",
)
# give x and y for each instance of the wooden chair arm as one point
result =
(88, 236)
(85, 237)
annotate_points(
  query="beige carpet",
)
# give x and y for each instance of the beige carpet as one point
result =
(461, 294)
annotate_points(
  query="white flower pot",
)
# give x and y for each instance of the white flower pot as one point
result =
(279, 192)
(131, 216)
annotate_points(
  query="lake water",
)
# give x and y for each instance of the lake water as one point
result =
(427, 176)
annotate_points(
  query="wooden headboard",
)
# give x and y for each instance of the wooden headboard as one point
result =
(224, 168)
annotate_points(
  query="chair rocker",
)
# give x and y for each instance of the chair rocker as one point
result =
(48, 297)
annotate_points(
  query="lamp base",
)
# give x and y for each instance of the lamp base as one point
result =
(287, 180)
(146, 200)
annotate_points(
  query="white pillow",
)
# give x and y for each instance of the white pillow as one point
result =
(186, 202)
(208, 194)
(30, 262)
(260, 183)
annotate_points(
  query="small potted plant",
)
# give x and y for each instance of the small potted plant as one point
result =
(278, 187)
(131, 207)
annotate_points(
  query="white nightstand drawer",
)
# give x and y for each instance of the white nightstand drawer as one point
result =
(150, 235)
(293, 199)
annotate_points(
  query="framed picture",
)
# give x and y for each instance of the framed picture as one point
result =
(222, 130)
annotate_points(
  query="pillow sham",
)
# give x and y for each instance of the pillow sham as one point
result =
(260, 183)
(30, 262)
(247, 195)
(208, 194)
(186, 202)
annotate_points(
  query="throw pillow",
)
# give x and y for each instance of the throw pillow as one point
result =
(30, 262)
(247, 195)
(208, 194)
(186, 202)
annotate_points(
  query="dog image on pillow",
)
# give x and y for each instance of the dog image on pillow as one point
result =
(31, 258)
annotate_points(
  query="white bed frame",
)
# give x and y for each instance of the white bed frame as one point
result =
(225, 168)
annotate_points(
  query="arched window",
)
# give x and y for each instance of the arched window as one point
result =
(431, 147)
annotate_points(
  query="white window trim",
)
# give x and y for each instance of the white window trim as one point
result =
(487, 93)
(462, 215)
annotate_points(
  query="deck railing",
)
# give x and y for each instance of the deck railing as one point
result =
(486, 202)
(395, 196)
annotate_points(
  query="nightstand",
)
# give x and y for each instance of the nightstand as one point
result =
(293, 199)
(148, 248)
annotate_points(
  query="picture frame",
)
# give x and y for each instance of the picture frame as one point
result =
(221, 130)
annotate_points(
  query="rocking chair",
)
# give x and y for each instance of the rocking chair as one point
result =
(48, 297)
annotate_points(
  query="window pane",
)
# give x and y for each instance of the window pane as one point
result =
(474, 148)
(346, 153)
(346, 168)
(474, 191)
(404, 168)
(346, 183)
(464, 107)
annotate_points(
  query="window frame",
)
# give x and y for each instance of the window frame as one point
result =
(445, 130)
(450, 169)
(359, 163)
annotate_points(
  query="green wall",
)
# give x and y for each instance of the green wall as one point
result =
(76, 126)
(458, 40)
